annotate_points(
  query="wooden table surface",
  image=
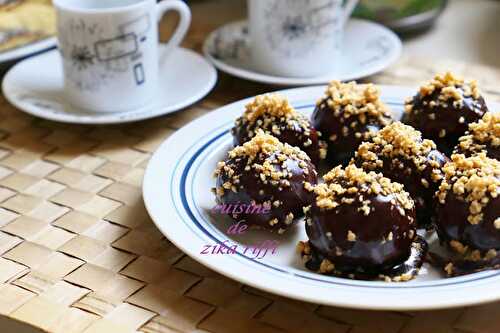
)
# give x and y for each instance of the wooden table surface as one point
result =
(78, 252)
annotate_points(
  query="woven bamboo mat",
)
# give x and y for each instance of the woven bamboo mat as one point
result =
(78, 252)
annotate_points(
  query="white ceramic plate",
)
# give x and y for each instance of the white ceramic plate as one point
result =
(35, 86)
(26, 50)
(368, 48)
(177, 195)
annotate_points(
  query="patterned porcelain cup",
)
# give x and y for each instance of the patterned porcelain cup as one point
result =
(297, 38)
(110, 50)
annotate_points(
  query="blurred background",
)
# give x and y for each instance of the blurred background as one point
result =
(464, 30)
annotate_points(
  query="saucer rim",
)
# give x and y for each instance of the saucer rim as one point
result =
(27, 50)
(107, 118)
(300, 81)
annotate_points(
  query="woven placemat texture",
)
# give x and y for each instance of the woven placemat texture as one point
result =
(78, 252)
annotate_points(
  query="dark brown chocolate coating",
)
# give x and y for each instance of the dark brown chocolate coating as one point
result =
(404, 171)
(371, 250)
(452, 223)
(446, 118)
(293, 198)
(342, 149)
(461, 267)
(408, 269)
(290, 131)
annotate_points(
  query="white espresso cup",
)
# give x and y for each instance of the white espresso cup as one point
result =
(110, 50)
(297, 38)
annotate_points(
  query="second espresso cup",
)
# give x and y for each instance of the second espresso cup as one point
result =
(110, 50)
(297, 38)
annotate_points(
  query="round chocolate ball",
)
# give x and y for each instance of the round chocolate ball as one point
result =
(443, 109)
(346, 115)
(273, 114)
(483, 136)
(399, 153)
(468, 209)
(265, 173)
(360, 221)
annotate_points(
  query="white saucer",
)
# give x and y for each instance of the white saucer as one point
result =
(368, 49)
(35, 86)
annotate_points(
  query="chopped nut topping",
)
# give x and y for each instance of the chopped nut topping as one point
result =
(269, 104)
(485, 131)
(472, 179)
(448, 83)
(449, 268)
(265, 143)
(341, 185)
(403, 277)
(451, 90)
(398, 141)
(326, 266)
(273, 222)
(303, 248)
(273, 114)
(492, 253)
(458, 247)
(353, 100)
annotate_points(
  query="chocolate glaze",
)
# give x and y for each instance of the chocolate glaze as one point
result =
(342, 149)
(411, 178)
(293, 198)
(290, 132)
(446, 118)
(409, 267)
(371, 251)
(452, 223)
(461, 266)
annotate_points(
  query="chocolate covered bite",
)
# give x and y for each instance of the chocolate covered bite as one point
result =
(443, 108)
(362, 225)
(399, 153)
(348, 114)
(265, 172)
(273, 114)
(468, 208)
(483, 136)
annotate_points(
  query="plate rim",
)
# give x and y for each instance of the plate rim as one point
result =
(292, 81)
(110, 117)
(151, 191)
(28, 49)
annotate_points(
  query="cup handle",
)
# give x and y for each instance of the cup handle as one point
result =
(185, 20)
(349, 7)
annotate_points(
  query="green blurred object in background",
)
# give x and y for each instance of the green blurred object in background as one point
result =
(401, 15)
